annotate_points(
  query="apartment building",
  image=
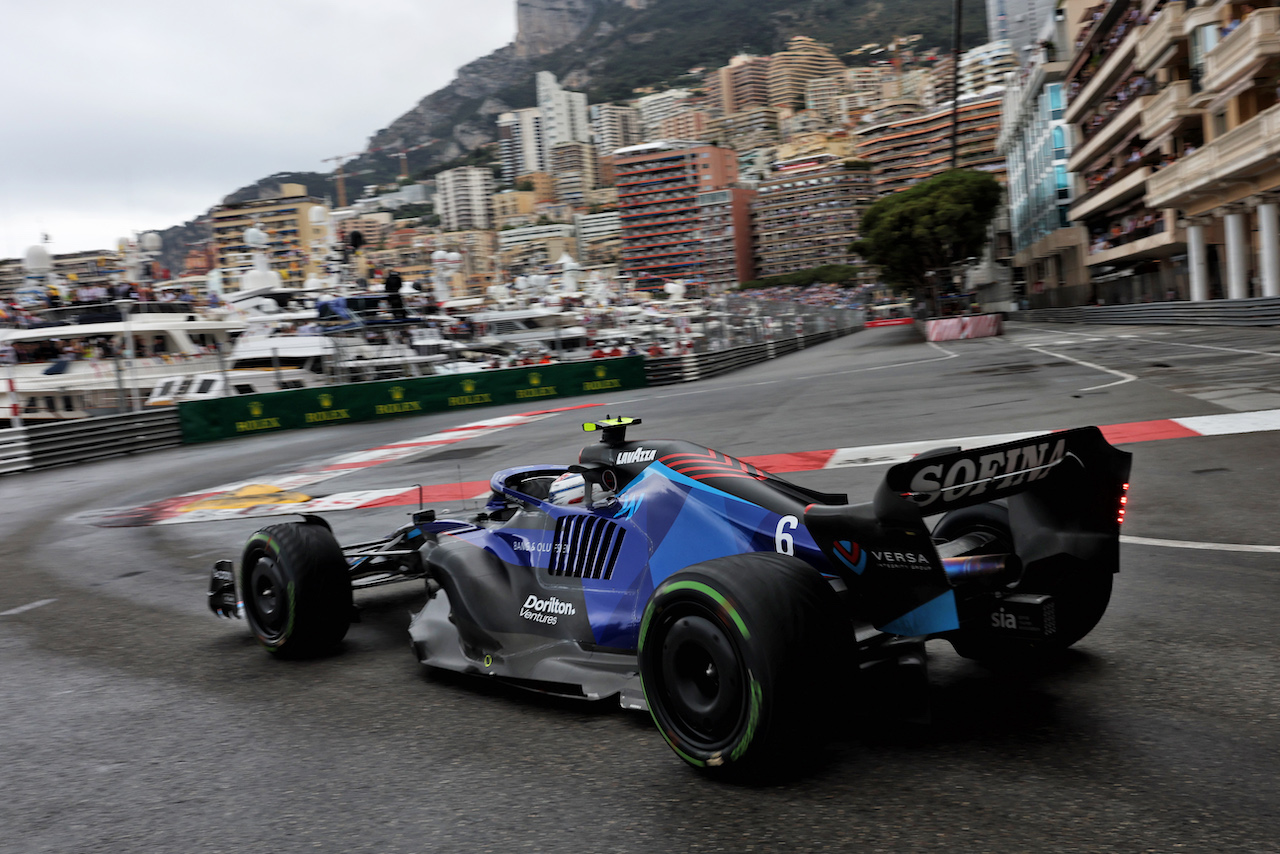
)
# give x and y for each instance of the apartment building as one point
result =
(513, 208)
(724, 218)
(656, 106)
(462, 198)
(755, 127)
(614, 126)
(573, 167)
(286, 219)
(906, 150)
(564, 114)
(807, 215)
(477, 269)
(1215, 117)
(1018, 21)
(986, 66)
(658, 185)
(740, 85)
(822, 99)
(803, 60)
(520, 144)
(1137, 245)
(599, 237)
(1035, 140)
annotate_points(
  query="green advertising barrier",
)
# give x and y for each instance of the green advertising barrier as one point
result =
(251, 414)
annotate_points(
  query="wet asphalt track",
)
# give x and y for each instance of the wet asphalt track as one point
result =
(133, 720)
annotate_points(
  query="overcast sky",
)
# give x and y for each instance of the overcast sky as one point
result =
(121, 116)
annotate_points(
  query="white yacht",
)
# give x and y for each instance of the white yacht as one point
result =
(74, 363)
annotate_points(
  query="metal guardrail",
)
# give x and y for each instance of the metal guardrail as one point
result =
(39, 446)
(667, 370)
(80, 440)
(1260, 311)
(15, 454)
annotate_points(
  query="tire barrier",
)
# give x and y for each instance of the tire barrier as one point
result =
(965, 326)
(1259, 311)
(78, 440)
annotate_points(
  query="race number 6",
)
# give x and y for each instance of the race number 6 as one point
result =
(783, 542)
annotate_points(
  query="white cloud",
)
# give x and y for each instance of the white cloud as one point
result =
(140, 114)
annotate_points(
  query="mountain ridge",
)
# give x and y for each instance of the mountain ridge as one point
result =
(608, 48)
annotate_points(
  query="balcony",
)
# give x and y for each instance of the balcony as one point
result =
(1109, 134)
(1113, 68)
(1237, 156)
(1163, 244)
(1158, 41)
(1242, 53)
(1166, 110)
(1128, 187)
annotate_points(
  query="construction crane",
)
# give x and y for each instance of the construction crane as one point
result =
(399, 149)
(340, 176)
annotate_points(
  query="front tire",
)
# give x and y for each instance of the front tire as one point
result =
(296, 589)
(739, 656)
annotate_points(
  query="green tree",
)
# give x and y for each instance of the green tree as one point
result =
(924, 229)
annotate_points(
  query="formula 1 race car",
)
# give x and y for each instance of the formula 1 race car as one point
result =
(729, 602)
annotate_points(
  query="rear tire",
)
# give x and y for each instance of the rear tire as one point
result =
(739, 658)
(1080, 594)
(296, 590)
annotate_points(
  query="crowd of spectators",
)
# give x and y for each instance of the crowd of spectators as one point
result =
(825, 295)
(1126, 230)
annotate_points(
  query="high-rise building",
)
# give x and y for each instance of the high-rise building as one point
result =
(687, 123)
(821, 97)
(462, 198)
(573, 167)
(614, 126)
(1035, 140)
(807, 214)
(754, 127)
(906, 150)
(655, 107)
(986, 67)
(520, 145)
(1019, 21)
(724, 232)
(741, 84)
(286, 219)
(564, 114)
(658, 185)
(802, 61)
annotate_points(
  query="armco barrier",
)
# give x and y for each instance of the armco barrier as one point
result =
(222, 418)
(78, 440)
(1261, 311)
(686, 369)
(15, 454)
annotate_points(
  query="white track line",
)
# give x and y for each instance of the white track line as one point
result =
(1124, 378)
(1188, 544)
(31, 606)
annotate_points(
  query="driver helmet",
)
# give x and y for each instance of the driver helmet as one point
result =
(567, 489)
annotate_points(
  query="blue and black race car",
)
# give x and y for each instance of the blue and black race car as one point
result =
(729, 602)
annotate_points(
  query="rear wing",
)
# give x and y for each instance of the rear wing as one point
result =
(1066, 497)
(1079, 460)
